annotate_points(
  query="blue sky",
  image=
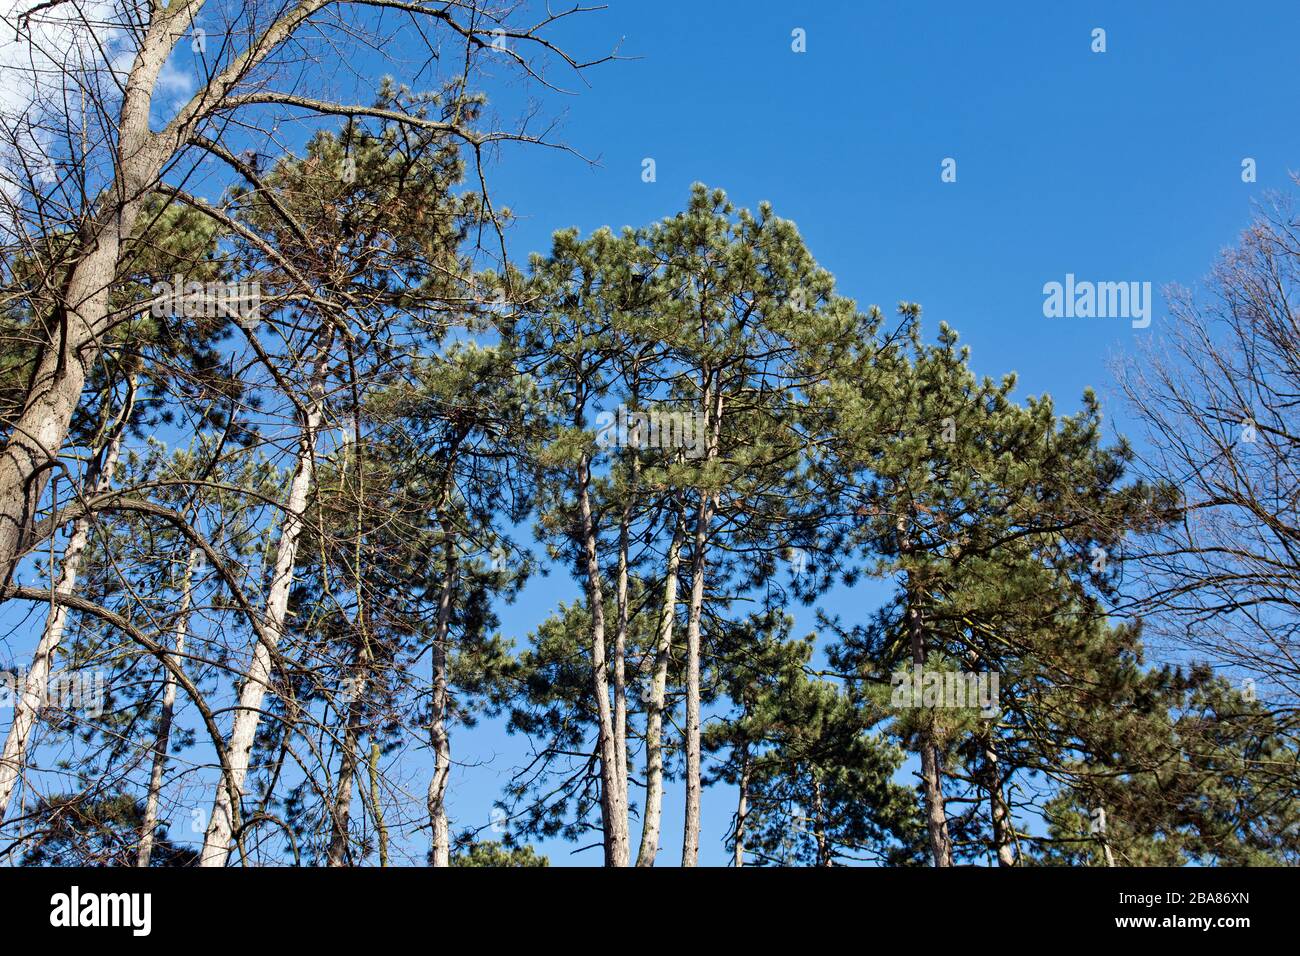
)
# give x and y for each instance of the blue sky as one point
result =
(1119, 165)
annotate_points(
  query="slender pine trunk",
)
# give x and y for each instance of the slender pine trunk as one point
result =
(376, 806)
(341, 813)
(819, 825)
(654, 755)
(248, 714)
(350, 755)
(712, 402)
(1099, 818)
(613, 813)
(999, 813)
(36, 686)
(439, 738)
(742, 810)
(620, 649)
(691, 830)
(163, 739)
(936, 818)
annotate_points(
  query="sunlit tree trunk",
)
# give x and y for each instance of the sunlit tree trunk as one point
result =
(819, 825)
(27, 706)
(613, 813)
(620, 650)
(439, 738)
(712, 402)
(216, 842)
(654, 754)
(999, 813)
(350, 757)
(691, 834)
(376, 806)
(742, 810)
(80, 322)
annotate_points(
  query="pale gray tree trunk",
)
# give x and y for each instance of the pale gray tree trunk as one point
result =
(439, 738)
(742, 810)
(613, 812)
(819, 826)
(712, 402)
(691, 833)
(248, 714)
(1102, 838)
(620, 649)
(376, 804)
(36, 685)
(936, 818)
(620, 662)
(439, 733)
(654, 752)
(150, 822)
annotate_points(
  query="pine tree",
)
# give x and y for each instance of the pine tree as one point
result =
(987, 513)
(813, 773)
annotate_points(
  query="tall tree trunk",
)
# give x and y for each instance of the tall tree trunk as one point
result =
(78, 326)
(742, 810)
(691, 830)
(163, 740)
(377, 807)
(439, 738)
(932, 784)
(620, 650)
(349, 756)
(935, 813)
(613, 813)
(999, 813)
(654, 753)
(35, 687)
(712, 403)
(341, 814)
(1100, 818)
(819, 825)
(243, 731)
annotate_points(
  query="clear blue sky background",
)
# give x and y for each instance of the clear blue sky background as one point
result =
(1123, 165)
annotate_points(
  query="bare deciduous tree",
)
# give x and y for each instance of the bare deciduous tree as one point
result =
(1219, 395)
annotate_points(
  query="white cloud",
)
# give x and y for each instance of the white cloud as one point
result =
(52, 65)
(55, 49)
